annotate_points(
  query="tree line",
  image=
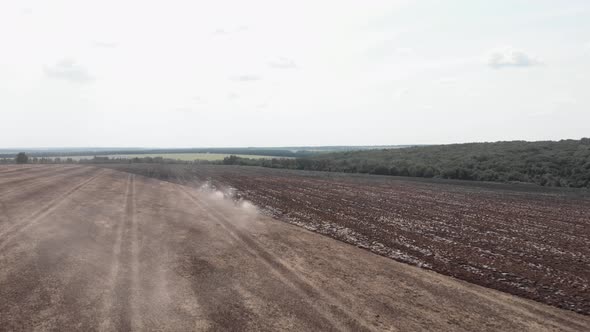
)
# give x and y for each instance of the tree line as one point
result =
(276, 152)
(564, 163)
(23, 158)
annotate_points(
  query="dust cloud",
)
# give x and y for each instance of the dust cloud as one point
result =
(227, 200)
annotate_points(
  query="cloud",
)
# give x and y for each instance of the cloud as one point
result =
(225, 31)
(183, 110)
(508, 57)
(399, 94)
(199, 100)
(449, 80)
(104, 44)
(69, 70)
(232, 96)
(404, 51)
(388, 48)
(245, 78)
(282, 63)
(564, 100)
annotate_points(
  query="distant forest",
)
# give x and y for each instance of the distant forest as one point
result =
(275, 152)
(564, 163)
(280, 152)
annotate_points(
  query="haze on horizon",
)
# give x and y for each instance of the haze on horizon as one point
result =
(273, 73)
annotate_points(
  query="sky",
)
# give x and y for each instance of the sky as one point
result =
(292, 73)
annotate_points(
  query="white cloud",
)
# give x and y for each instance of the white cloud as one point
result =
(232, 96)
(183, 110)
(69, 70)
(507, 57)
(105, 44)
(225, 31)
(389, 48)
(282, 63)
(199, 100)
(564, 99)
(404, 51)
(245, 78)
(448, 80)
(399, 94)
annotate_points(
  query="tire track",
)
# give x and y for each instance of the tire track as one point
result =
(14, 171)
(38, 184)
(14, 230)
(32, 176)
(7, 179)
(287, 275)
(5, 215)
(9, 171)
(106, 323)
(135, 290)
(122, 312)
(17, 169)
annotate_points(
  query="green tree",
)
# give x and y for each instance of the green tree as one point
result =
(22, 158)
(231, 160)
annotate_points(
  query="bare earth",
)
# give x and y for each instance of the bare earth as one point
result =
(83, 248)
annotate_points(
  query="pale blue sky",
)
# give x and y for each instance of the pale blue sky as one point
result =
(276, 73)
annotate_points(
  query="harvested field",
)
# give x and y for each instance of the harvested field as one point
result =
(524, 240)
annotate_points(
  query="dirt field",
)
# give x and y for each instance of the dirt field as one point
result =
(84, 248)
(524, 240)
